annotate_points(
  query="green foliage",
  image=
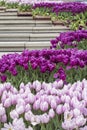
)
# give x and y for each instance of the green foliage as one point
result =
(74, 21)
(11, 5)
(2, 3)
(80, 45)
(62, 16)
(41, 12)
(24, 8)
(77, 74)
(79, 20)
(31, 75)
(54, 124)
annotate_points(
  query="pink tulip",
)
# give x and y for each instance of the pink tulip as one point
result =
(36, 104)
(20, 109)
(51, 113)
(80, 121)
(53, 104)
(14, 114)
(2, 110)
(7, 103)
(44, 106)
(59, 109)
(4, 118)
(76, 112)
(27, 107)
(28, 115)
(44, 118)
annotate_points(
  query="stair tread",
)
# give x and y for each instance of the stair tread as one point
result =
(23, 21)
(15, 18)
(20, 46)
(11, 44)
(14, 34)
(22, 43)
(35, 28)
(3, 13)
(45, 35)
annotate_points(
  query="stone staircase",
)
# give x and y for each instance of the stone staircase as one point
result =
(19, 32)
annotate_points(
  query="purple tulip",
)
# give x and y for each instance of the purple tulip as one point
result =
(3, 78)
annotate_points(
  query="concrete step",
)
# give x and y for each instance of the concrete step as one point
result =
(50, 29)
(37, 45)
(5, 39)
(12, 14)
(27, 36)
(15, 31)
(15, 18)
(2, 8)
(12, 46)
(2, 11)
(23, 22)
(35, 29)
(31, 31)
(11, 10)
(17, 22)
(40, 23)
(14, 37)
(6, 49)
(43, 37)
(20, 46)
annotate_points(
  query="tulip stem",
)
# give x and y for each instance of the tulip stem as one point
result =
(33, 127)
(0, 125)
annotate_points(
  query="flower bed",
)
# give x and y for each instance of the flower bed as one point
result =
(69, 65)
(71, 39)
(44, 106)
(73, 14)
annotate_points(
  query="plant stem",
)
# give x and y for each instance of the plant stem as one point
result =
(0, 125)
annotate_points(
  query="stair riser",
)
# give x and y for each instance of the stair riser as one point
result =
(23, 24)
(4, 39)
(25, 39)
(41, 39)
(3, 13)
(15, 18)
(11, 49)
(30, 31)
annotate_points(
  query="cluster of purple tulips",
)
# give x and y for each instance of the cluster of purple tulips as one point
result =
(70, 38)
(46, 61)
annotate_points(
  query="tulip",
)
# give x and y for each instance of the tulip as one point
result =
(51, 113)
(44, 106)
(59, 109)
(14, 114)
